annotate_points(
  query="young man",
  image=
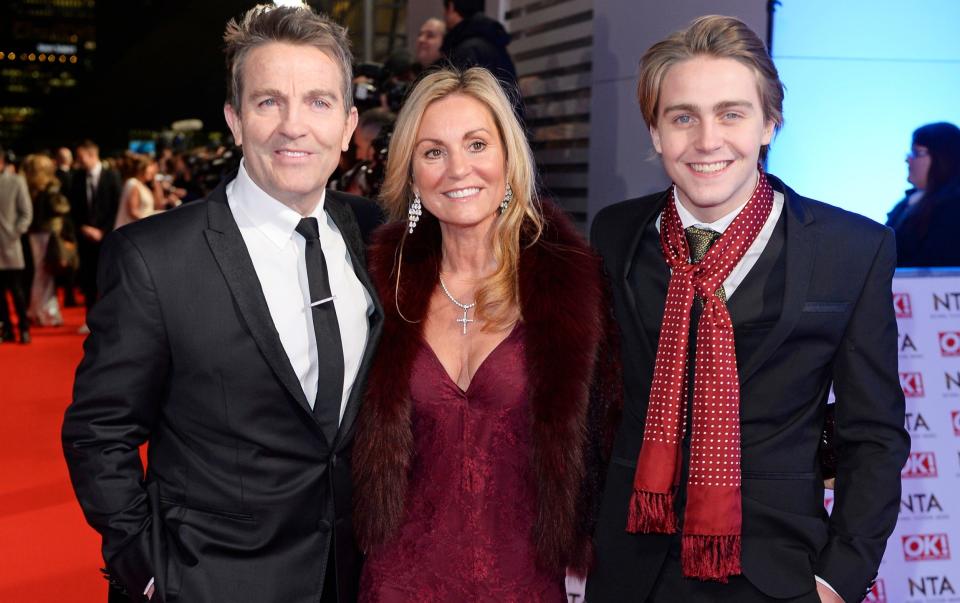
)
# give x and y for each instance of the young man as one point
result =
(233, 336)
(740, 303)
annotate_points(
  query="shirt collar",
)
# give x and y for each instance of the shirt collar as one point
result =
(687, 219)
(275, 220)
(95, 170)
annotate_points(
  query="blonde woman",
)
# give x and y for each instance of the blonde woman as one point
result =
(478, 450)
(50, 209)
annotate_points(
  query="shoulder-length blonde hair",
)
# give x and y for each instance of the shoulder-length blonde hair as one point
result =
(40, 173)
(498, 296)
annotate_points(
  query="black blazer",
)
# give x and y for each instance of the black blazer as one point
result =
(103, 211)
(836, 325)
(243, 497)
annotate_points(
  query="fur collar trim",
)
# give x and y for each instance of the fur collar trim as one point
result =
(562, 302)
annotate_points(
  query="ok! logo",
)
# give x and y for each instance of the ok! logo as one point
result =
(925, 547)
(877, 593)
(901, 305)
(949, 343)
(912, 385)
(920, 464)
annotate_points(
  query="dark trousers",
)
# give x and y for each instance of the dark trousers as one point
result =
(12, 281)
(671, 587)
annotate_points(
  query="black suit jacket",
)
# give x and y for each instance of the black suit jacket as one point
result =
(836, 325)
(102, 212)
(243, 496)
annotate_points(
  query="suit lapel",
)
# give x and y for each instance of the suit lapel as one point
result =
(800, 242)
(633, 263)
(342, 215)
(230, 251)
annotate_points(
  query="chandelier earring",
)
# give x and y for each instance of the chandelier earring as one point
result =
(414, 212)
(507, 198)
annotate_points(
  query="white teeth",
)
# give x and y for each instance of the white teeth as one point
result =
(293, 153)
(463, 192)
(707, 168)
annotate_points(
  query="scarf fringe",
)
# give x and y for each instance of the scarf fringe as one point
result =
(711, 557)
(651, 512)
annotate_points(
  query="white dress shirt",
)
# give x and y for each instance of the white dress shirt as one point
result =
(750, 258)
(93, 181)
(268, 228)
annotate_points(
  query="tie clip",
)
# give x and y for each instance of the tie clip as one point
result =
(323, 301)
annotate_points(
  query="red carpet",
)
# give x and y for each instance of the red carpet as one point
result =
(47, 551)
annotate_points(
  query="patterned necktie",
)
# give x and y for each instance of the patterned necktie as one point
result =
(329, 347)
(700, 240)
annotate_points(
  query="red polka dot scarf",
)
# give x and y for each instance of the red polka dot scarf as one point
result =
(710, 547)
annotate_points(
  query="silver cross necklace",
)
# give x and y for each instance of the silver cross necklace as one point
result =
(463, 321)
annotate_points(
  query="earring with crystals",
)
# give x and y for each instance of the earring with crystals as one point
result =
(507, 198)
(414, 212)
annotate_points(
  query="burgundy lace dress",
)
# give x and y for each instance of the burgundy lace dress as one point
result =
(466, 534)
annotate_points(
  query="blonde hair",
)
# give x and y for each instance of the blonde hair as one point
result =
(718, 37)
(498, 295)
(40, 172)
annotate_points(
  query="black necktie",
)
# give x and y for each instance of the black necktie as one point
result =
(329, 348)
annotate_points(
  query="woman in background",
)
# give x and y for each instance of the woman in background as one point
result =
(927, 220)
(478, 453)
(50, 209)
(137, 198)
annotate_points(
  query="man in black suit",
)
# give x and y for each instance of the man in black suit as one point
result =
(233, 336)
(740, 303)
(94, 194)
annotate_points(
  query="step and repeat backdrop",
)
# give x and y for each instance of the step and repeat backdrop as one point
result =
(919, 565)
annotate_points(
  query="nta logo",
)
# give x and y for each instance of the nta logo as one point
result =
(925, 547)
(949, 301)
(920, 503)
(914, 422)
(920, 464)
(934, 586)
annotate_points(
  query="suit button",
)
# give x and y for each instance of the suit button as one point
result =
(324, 526)
(333, 460)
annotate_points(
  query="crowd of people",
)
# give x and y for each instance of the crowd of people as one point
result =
(56, 208)
(465, 37)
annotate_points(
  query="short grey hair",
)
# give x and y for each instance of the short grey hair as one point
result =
(266, 23)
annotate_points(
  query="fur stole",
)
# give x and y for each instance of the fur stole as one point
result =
(574, 379)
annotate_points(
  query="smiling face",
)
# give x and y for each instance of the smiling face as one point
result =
(292, 124)
(709, 131)
(459, 167)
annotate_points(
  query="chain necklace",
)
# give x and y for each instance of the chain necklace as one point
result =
(463, 321)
